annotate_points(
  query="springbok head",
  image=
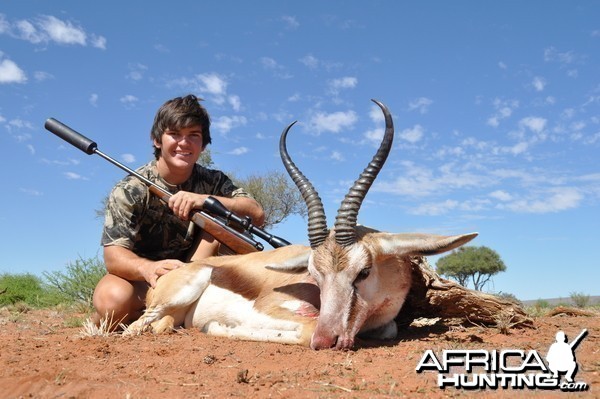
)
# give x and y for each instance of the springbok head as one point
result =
(363, 274)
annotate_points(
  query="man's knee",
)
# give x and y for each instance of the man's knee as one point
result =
(117, 299)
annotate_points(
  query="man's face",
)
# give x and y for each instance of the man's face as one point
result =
(181, 148)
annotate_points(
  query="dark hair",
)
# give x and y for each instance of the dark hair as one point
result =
(179, 113)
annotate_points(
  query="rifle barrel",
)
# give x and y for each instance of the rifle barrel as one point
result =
(90, 147)
(578, 339)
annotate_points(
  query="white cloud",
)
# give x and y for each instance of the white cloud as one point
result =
(99, 42)
(136, 71)
(235, 102)
(32, 192)
(538, 83)
(417, 181)
(454, 152)
(501, 195)
(518, 148)
(594, 138)
(11, 73)
(435, 209)
(337, 156)
(212, 83)
(272, 65)
(421, 104)
(444, 207)
(128, 158)
(493, 121)
(412, 135)
(94, 99)
(47, 29)
(504, 109)
(375, 114)
(290, 22)
(347, 82)
(74, 176)
(554, 200)
(551, 54)
(129, 100)
(27, 31)
(269, 63)
(224, 124)
(533, 123)
(239, 151)
(41, 76)
(336, 85)
(17, 129)
(334, 122)
(310, 61)
(61, 31)
(4, 25)
(374, 136)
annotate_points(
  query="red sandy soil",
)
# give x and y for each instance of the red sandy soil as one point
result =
(41, 357)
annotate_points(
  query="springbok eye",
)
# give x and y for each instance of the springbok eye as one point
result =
(363, 274)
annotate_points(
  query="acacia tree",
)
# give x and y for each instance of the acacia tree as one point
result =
(478, 264)
(278, 198)
(273, 191)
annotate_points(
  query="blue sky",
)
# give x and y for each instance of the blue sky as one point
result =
(496, 107)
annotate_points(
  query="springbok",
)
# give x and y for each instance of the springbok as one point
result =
(351, 280)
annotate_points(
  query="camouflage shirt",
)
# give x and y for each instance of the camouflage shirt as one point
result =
(138, 220)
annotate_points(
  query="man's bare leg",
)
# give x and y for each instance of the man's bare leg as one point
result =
(118, 300)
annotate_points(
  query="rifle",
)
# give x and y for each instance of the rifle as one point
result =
(210, 221)
(578, 339)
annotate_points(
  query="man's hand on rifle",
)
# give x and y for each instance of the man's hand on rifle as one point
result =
(183, 202)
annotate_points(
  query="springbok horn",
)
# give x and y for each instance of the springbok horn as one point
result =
(345, 221)
(317, 221)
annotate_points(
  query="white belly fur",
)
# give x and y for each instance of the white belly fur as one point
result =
(223, 313)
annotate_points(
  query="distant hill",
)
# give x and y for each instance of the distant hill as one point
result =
(594, 300)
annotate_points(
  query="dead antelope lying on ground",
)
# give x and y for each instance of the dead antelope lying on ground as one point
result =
(352, 280)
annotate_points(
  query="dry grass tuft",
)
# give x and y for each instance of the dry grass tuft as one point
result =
(105, 329)
(505, 321)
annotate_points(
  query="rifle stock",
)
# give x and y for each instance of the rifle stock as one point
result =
(233, 239)
(227, 236)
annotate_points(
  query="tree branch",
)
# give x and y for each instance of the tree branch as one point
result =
(433, 296)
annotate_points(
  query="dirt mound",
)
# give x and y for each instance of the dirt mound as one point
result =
(42, 358)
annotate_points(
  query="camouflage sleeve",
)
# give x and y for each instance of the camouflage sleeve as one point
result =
(218, 183)
(124, 211)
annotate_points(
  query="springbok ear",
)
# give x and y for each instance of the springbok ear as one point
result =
(419, 244)
(295, 265)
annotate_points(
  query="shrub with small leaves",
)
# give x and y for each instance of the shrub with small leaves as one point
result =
(25, 289)
(580, 299)
(77, 282)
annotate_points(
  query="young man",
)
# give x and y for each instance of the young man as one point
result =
(143, 238)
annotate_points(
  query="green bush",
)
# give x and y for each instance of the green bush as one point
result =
(25, 288)
(580, 299)
(77, 282)
(507, 296)
(542, 304)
